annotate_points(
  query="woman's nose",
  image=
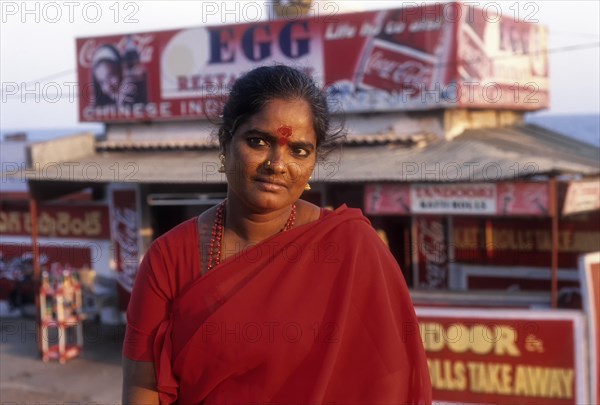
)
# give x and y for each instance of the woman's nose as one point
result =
(276, 161)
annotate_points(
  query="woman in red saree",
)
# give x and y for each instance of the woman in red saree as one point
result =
(267, 299)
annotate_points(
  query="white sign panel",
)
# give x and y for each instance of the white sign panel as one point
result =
(206, 61)
(582, 196)
(453, 198)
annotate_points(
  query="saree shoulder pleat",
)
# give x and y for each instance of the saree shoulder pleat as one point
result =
(318, 314)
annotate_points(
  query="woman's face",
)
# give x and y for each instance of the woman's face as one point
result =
(281, 134)
(108, 76)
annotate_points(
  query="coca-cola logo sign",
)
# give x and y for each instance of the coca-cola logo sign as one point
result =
(398, 68)
(125, 236)
(411, 74)
(142, 43)
(126, 241)
(433, 253)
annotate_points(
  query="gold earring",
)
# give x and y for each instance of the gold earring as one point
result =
(307, 187)
(222, 167)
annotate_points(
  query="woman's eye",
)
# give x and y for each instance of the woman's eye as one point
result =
(301, 152)
(256, 142)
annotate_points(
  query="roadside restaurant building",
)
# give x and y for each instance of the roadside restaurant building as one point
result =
(486, 215)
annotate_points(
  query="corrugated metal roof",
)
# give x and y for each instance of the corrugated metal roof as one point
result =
(382, 139)
(211, 143)
(135, 167)
(157, 145)
(476, 155)
(536, 141)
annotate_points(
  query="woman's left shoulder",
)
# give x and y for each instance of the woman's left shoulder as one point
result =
(357, 228)
(307, 212)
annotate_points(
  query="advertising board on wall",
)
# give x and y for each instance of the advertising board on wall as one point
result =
(523, 241)
(413, 58)
(57, 221)
(71, 236)
(505, 356)
(455, 198)
(510, 198)
(582, 196)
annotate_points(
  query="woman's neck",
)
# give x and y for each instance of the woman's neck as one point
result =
(250, 227)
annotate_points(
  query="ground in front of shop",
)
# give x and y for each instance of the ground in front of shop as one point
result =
(93, 377)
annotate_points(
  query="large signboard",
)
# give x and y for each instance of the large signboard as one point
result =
(523, 241)
(456, 198)
(82, 221)
(501, 62)
(415, 58)
(520, 198)
(505, 356)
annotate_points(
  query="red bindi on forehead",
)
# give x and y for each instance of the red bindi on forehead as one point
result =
(284, 132)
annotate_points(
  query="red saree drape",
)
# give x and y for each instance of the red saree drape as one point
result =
(319, 314)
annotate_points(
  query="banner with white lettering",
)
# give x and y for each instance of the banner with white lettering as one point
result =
(453, 198)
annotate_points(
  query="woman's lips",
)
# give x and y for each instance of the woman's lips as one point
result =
(270, 185)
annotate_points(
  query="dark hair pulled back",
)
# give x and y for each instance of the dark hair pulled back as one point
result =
(252, 91)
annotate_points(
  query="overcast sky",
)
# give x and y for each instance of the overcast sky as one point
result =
(37, 46)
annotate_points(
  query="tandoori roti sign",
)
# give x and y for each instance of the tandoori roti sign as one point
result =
(508, 198)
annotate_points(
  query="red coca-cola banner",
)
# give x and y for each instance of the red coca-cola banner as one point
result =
(505, 356)
(415, 58)
(125, 231)
(432, 249)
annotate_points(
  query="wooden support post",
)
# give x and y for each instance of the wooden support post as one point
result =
(554, 259)
(35, 246)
